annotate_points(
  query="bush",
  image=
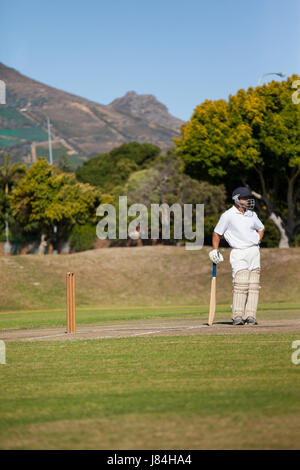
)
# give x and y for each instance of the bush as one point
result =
(82, 237)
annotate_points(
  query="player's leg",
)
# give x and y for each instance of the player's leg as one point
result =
(252, 299)
(240, 274)
(240, 294)
(253, 258)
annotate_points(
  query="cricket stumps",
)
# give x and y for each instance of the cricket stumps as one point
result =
(71, 303)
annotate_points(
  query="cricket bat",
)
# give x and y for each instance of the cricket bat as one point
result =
(213, 290)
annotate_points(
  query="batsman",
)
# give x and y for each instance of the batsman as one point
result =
(243, 231)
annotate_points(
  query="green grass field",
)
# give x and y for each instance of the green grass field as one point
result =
(200, 391)
(100, 315)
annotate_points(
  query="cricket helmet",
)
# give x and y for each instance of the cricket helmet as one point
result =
(241, 193)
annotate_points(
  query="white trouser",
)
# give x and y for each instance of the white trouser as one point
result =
(246, 258)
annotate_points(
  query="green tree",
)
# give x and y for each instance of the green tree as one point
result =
(45, 198)
(254, 140)
(165, 182)
(82, 237)
(10, 175)
(64, 164)
(112, 169)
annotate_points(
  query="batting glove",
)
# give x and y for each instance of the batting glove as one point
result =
(215, 256)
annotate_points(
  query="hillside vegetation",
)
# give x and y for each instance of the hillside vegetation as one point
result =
(84, 128)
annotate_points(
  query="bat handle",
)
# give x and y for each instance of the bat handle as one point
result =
(214, 270)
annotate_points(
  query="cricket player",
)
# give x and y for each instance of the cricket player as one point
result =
(243, 231)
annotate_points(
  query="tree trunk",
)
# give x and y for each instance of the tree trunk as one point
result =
(277, 221)
(284, 240)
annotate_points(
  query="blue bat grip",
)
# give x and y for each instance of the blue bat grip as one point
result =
(214, 271)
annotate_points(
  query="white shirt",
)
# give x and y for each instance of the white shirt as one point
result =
(239, 230)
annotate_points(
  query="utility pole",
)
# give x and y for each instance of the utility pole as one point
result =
(50, 143)
(51, 158)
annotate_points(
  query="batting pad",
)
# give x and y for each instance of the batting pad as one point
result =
(253, 293)
(240, 293)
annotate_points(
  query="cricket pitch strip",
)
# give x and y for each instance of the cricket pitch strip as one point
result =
(144, 328)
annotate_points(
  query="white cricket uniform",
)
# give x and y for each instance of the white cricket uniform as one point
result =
(240, 231)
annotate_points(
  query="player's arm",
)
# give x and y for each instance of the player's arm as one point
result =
(260, 228)
(261, 234)
(216, 240)
(214, 255)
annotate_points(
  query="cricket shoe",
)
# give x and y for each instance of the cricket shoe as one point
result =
(238, 321)
(251, 321)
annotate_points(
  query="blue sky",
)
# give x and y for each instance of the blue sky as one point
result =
(183, 52)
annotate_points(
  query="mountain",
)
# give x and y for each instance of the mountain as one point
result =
(146, 107)
(80, 128)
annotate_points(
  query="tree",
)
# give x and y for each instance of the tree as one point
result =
(254, 140)
(165, 182)
(45, 198)
(64, 164)
(10, 174)
(112, 169)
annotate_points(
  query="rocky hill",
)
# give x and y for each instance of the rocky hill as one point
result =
(80, 128)
(146, 107)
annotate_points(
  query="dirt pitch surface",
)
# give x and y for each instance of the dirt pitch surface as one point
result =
(131, 329)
